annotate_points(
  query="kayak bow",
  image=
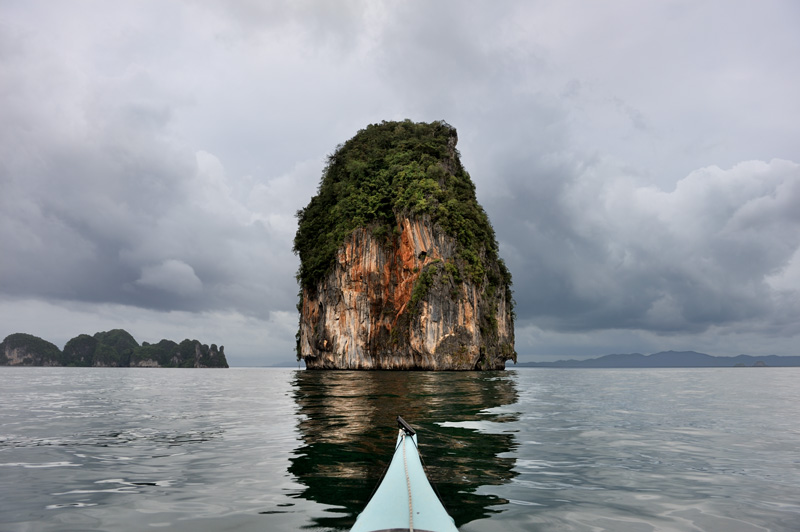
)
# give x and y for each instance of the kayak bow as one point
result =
(405, 499)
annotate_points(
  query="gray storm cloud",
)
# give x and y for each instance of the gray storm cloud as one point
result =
(713, 251)
(173, 276)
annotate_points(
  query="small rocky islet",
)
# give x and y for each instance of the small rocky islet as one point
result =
(115, 348)
(399, 264)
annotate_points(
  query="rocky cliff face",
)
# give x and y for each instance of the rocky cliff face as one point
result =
(411, 295)
(24, 356)
(365, 315)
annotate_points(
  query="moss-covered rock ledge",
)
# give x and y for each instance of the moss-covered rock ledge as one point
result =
(115, 348)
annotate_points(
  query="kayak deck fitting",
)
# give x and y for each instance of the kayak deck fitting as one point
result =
(404, 500)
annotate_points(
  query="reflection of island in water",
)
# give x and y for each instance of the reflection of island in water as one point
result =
(347, 422)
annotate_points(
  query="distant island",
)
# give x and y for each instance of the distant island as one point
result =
(670, 359)
(115, 348)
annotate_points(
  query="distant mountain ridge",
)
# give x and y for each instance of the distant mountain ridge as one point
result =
(669, 359)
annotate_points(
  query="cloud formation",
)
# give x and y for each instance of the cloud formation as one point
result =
(619, 255)
(638, 161)
(172, 276)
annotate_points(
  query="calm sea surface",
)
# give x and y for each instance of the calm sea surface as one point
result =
(281, 449)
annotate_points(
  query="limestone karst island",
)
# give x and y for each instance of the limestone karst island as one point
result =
(399, 265)
(115, 348)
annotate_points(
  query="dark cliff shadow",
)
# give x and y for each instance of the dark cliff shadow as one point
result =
(347, 423)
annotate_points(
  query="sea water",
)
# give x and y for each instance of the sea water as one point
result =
(252, 449)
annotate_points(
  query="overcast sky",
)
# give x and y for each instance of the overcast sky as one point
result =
(640, 162)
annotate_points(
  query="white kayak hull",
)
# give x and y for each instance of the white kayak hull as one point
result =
(405, 499)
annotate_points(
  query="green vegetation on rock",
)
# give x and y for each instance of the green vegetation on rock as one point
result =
(160, 353)
(119, 339)
(423, 284)
(79, 351)
(388, 171)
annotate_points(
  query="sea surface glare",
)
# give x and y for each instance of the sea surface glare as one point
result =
(250, 449)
